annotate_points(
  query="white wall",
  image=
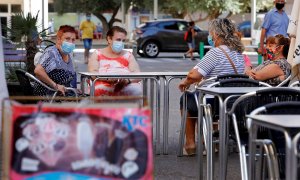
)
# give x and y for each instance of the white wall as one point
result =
(3, 86)
(35, 6)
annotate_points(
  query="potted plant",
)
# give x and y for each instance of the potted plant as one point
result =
(23, 30)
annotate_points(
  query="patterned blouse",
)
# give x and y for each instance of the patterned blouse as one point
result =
(58, 70)
(284, 66)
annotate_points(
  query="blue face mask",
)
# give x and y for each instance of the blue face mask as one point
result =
(88, 18)
(67, 47)
(117, 46)
(210, 41)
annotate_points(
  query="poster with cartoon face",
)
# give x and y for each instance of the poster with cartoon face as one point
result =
(86, 143)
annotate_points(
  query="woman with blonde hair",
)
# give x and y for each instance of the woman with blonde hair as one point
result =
(224, 58)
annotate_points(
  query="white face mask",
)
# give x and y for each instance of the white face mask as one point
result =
(117, 46)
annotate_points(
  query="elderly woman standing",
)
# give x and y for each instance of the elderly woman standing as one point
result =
(55, 66)
(224, 58)
(114, 59)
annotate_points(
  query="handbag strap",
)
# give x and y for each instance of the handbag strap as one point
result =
(230, 60)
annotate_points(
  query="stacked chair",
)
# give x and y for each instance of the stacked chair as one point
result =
(244, 105)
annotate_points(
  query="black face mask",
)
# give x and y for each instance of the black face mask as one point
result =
(279, 6)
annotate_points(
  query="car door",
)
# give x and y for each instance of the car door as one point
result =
(201, 36)
(182, 28)
(169, 35)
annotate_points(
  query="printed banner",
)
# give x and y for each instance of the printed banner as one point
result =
(80, 143)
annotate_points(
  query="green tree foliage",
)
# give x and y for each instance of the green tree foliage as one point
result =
(178, 8)
(98, 7)
(213, 8)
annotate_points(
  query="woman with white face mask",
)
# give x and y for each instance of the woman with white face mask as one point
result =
(55, 66)
(114, 59)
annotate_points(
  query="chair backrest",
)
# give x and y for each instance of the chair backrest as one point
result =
(221, 77)
(229, 76)
(245, 104)
(286, 82)
(295, 84)
(285, 107)
(24, 82)
(238, 82)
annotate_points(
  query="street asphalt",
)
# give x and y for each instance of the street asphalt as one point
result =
(170, 166)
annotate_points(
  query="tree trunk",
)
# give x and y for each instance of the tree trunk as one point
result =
(31, 50)
(113, 17)
(104, 24)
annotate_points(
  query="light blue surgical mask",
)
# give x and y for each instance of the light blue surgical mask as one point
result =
(88, 18)
(210, 41)
(67, 47)
(117, 46)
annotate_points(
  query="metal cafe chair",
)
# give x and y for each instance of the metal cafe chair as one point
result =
(184, 109)
(244, 105)
(229, 80)
(296, 157)
(26, 80)
(295, 84)
(286, 82)
(279, 108)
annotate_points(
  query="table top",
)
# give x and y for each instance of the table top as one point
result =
(135, 74)
(229, 90)
(285, 121)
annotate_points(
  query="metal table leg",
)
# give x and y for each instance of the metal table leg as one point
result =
(200, 145)
(252, 137)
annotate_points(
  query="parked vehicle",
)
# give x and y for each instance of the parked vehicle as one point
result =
(165, 35)
(245, 28)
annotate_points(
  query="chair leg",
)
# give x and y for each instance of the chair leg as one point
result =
(183, 126)
(242, 150)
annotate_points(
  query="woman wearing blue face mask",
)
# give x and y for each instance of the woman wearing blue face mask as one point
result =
(55, 66)
(113, 59)
(226, 47)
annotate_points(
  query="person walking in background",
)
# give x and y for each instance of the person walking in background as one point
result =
(275, 22)
(190, 39)
(87, 28)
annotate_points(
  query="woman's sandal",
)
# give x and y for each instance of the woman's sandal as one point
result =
(189, 151)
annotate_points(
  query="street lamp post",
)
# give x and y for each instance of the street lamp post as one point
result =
(155, 9)
(123, 12)
(253, 17)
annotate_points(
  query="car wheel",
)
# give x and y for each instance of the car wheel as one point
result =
(151, 49)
